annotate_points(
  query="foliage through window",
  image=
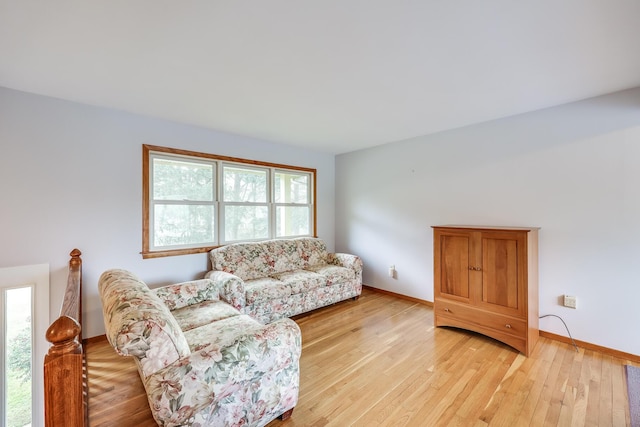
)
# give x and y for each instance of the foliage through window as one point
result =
(196, 201)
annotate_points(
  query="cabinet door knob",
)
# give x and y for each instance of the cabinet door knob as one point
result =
(447, 310)
(508, 326)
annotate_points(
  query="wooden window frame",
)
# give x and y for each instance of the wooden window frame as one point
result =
(147, 150)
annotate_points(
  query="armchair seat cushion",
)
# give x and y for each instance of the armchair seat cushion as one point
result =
(217, 335)
(202, 313)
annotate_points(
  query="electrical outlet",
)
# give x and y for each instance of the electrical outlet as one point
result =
(570, 301)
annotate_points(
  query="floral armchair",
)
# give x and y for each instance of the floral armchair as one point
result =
(201, 361)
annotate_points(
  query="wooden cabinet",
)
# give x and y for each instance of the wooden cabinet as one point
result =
(486, 280)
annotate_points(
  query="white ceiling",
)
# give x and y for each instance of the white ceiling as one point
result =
(331, 75)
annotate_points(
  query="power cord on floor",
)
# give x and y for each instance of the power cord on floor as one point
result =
(566, 327)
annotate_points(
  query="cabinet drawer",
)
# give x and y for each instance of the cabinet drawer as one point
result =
(500, 323)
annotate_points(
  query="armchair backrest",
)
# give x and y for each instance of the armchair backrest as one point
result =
(138, 323)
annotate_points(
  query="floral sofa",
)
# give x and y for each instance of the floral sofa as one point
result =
(274, 279)
(201, 361)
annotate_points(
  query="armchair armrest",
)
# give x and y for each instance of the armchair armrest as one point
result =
(232, 373)
(230, 287)
(184, 294)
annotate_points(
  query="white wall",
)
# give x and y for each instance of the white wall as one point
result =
(572, 170)
(71, 176)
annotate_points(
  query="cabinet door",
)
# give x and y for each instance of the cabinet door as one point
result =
(451, 266)
(504, 272)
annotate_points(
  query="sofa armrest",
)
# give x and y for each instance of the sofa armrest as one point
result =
(349, 261)
(230, 287)
(138, 323)
(346, 260)
(210, 374)
(188, 293)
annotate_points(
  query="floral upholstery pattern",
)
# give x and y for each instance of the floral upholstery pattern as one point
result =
(265, 289)
(300, 281)
(334, 273)
(283, 277)
(231, 287)
(187, 293)
(202, 313)
(202, 363)
(138, 323)
(295, 304)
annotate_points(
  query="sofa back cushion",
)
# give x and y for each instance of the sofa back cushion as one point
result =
(263, 259)
(245, 260)
(311, 252)
(138, 323)
(296, 254)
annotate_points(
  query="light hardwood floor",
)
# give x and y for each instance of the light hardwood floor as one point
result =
(379, 361)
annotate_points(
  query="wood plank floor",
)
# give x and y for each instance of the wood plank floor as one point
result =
(379, 361)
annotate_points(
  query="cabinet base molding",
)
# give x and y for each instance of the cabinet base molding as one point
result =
(507, 329)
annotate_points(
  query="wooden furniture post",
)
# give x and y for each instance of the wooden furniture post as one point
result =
(64, 394)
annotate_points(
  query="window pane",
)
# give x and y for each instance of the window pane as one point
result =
(245, 185)
(183, 224)
(292, 221)
(291, 187)
(18, 356)
(182, 180)
(246, 223)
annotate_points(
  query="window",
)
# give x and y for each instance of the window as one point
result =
(291, 192)
(245, 203)
(24, 317)
(196, 201)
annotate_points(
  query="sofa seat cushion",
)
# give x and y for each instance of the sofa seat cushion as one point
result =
(265, 289)
(223, 333)
(199, 314)
(300, 281)
(333, 273)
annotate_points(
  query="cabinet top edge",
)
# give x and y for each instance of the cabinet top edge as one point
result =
(486, 227)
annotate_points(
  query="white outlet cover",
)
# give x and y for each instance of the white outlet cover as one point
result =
(570, 301)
